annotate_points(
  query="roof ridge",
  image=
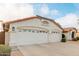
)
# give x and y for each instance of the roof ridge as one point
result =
(32, 17)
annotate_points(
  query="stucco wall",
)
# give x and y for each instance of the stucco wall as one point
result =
(34, 22)
(69, 35)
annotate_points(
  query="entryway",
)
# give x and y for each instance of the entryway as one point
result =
(73, 35)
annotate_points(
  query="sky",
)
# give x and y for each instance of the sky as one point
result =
(66, 14)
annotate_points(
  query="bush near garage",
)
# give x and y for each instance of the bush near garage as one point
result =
(63, 38)
(5, 50)
(77, 38)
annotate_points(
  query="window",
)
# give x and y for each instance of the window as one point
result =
(40, 31)
(37, 31)
(43, 31)
(33, 31)
(13, 28)
(19, 30)
(24, 30)
(53, 32)
(29, 30)
(46, 32)
(45, 23)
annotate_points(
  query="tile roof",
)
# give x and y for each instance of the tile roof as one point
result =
(65, 30)
(33, 17)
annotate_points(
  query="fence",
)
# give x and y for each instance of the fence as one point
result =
(2, 37)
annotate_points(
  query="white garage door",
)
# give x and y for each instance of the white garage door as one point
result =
(55, 37)
(28, 37)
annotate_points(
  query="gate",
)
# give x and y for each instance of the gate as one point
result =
(2, 37)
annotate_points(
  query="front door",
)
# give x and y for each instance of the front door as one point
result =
(72, 34)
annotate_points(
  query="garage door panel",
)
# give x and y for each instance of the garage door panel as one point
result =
(55, 37)
(24, 38)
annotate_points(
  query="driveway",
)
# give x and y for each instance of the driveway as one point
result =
(70, 48)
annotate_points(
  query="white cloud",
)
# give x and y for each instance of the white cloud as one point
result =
(44, 10)
(69, 20)
(13, 11)
(54, 12)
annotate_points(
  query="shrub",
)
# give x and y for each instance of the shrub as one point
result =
(63, 38)
(5, 50)
(77, 38)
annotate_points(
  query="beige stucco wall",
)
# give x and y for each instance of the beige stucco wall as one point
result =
(51, 26)
(7, 38)
(69, 35)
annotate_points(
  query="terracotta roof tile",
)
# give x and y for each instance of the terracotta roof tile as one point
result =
(65, 30)
(29, 18)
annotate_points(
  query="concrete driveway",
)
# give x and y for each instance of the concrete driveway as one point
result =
(70, 48)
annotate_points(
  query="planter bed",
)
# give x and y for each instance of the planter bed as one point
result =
(5, 50)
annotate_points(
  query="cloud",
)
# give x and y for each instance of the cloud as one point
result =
(54, 12)
(69, 20)
(44, 10)
(14, 11)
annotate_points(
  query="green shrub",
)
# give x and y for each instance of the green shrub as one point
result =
(77, 38)
(63, 38)
(5, 50)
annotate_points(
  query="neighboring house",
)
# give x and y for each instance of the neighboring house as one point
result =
(32, 30)
(70, 33)
(77, 34)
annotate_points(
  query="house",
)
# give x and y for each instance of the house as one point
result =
(70, 33)
(77, 34)
(32, 30)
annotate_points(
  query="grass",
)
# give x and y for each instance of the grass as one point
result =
(5, 50)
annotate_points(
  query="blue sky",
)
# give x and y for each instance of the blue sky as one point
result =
(51, 10)
(62, 8)
(66, 14)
